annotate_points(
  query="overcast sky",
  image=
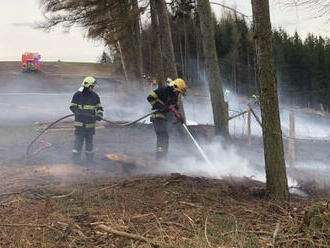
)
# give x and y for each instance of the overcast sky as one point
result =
(18, 16)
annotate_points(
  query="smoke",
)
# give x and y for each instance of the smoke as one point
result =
(226, 162)
(28, 98)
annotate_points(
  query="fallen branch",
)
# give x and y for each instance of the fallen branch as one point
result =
(132, 236)
(277, 228)
(190, 204)
(141, 216)
(205, 233)
(11, 193)
(62, 196)
(246, 232)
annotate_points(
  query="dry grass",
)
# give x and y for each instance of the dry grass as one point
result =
(161, 211)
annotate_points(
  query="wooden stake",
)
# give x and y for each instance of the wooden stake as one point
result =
(292, 150)
(249, 125)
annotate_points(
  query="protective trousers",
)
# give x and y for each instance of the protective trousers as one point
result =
(160, 126)
(82, 135)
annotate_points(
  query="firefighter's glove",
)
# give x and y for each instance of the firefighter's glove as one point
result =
(176, 113)
(99, 118)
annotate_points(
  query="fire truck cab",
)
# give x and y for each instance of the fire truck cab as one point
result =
(30, 62)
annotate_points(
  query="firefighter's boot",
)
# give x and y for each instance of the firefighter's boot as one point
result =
(161, 153)
(90, 158)
(76, 158)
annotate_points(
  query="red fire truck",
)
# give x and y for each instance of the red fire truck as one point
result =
(30, 62)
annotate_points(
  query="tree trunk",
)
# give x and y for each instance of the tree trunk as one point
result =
(219, 106)
(167, 45)
(166, 40)
(127, 39)
(138, 49)
(157, 51)
(123, 64)
(276, 183)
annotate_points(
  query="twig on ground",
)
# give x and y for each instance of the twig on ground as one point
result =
(205, 233)
(190, 204)
(190, 219)
(141, 216)
(160, 227)
(132, 236)
(11, 193)
(277, 228)
(62, 196)
(245, 232)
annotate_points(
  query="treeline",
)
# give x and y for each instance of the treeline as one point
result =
(137, 34)
(235, 50)
(303, 68)
(302, 65)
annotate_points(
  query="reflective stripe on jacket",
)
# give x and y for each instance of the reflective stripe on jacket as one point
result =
(160, 99)
(86, 105)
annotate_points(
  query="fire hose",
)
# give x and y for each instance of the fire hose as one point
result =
(28, 149)
(180, 119)
(121, 125)
(199, 148)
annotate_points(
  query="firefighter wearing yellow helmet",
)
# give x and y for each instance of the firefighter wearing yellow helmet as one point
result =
(87, 108)
(165, 101)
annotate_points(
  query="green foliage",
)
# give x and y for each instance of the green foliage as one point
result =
(302, 68)
(302, 65)
(317, 218)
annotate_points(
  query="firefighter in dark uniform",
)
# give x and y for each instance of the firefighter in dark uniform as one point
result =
(87, 109)
(165, 99)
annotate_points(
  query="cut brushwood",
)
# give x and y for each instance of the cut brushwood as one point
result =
(133, 161)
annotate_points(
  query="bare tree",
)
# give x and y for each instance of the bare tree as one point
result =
(158, 58)
(317, 8)
(169, 65)
(113, 21)
(276, 179)
(166, 40)
(219, 106)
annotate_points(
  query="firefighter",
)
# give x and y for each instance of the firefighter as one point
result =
(87, 109)
(165, 99)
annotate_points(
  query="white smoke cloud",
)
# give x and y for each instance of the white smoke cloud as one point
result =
(225, 160)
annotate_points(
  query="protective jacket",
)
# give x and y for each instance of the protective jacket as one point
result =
(86, 105)
(160, 99)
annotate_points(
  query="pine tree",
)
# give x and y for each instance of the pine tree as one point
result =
(276, 180)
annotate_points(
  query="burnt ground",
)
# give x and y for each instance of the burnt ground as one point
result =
(45, 201)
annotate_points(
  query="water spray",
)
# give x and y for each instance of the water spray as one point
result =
(199, 148)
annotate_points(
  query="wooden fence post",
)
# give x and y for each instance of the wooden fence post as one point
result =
(249, 125)
(292, 149)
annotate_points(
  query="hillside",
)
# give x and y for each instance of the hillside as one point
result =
(46, 201)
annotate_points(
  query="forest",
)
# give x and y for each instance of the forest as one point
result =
(302, 64)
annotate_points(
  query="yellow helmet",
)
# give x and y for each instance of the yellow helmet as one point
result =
(88, 81)
(179, 85)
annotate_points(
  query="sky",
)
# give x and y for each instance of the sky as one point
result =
(17, 35)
